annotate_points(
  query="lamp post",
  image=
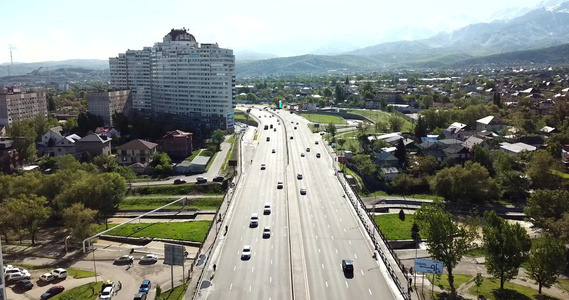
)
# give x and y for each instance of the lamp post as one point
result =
(94, 265)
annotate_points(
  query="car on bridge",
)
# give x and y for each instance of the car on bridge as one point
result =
(318, 155)
(303, 191)
(267, 232)
(267, 209)
(254, 220)
(280, 185)
(347, 266)
(246, 253)
(299, 176)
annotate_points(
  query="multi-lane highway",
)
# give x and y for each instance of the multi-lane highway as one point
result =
(311, 233)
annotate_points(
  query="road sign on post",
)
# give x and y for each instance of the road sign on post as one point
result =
(174, 255)
(428, 266)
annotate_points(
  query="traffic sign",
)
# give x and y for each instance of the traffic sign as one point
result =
(428, 266)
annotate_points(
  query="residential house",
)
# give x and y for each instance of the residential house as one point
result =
(458, 131)
(490, 123)
(177, 144)
(547, 130)
(516, 148)
(536, 141)
(386, 159)
(136, 151)
(48, 141)
(389, 173)
(458, 152)
(432, 149)
(94, 144)
(107, 132)
(473, 141)
(544, 107)
(66, 145)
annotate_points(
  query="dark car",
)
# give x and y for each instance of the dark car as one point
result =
(54, 290)
(145, 286)
(218, 179)
(179, 181)
(24, 284)
(347, 265)
(140, 296)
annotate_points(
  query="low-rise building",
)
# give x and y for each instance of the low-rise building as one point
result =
(490, 123)
(177, 144)
(516, 148)
(136, 151)
(94, 145)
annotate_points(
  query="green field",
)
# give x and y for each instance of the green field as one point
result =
(89, 291)
(393, 228)
(194, 231)
(380, 116)
(80, 273)
(442, 280)
(176, 294)
(327, 119)
(153, 203)
(490, 289)
(179, 189)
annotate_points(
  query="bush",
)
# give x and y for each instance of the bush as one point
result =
(182, 189)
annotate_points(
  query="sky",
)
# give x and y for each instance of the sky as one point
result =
(42, 30)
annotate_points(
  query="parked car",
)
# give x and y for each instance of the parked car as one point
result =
(145, 286)
(201, 179)
(124, 259)
(59, 273)
(149, 258)
(24, 285)
(246, 254)
(140, 296)
(179, 181)
(47, 277)
(219, 179)
(17, 276)
(52, 291)
(107, 293)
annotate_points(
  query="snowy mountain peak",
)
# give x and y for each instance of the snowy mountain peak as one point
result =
(560, 8)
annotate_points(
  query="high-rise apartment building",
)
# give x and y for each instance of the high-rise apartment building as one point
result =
(105, 104)
(16, 105)
(179, 80)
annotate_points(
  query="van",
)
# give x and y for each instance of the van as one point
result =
(254, 220)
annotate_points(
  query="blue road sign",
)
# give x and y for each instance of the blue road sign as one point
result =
(428, 266)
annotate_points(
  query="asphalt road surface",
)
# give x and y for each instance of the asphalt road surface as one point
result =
(323, 225)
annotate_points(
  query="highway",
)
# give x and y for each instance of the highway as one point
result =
(323, 225)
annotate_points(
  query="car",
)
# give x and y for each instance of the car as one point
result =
(318, 155)
(268, 139)
(280, 185)
(291, 122)
(145, 286)
(47, 277)
(218, 179)
(107, 293)
(347, 265)
(254, 222)
(267, 232)
(12, 270)
(140, 296)
(179, 181)
(267, 209)
(24, 285)
(302, 154)
(291, 137)
(246, 253)
(307, 149)
(201, 179)
(274, 129)
(52, 291)
(316, 142)
(322, 133)
(149, 258)
(294, 127)
(23, 274)
(263, 166)
(274, 151)
(59, 273)
(124, 259)
(299, 176)
(303, 191)
(296, 123)
(106, 284)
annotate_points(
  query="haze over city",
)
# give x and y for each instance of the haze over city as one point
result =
(60, 30)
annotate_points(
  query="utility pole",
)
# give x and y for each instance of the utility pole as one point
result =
(2, 282)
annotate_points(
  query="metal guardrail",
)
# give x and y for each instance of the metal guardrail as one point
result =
(371, 232)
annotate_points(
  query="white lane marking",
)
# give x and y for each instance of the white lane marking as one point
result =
(318, 250)
(336, 210)
(362, 272)
(313, 225)
(270, 280)
(346, 284)
(256, 239)
(253, 270)
(356, 256)
(350, 242)
(332, 236)
(230, 286)
(322, 266)
(272, 246)
(328, 225)
(249, 288)
(316, 236)
(345, 230)
(234, 268)
(241, 238)
(311, 216)
(271, 261)
(369, 290)
(325, 216)
(326, 283)
(340, 219)
(336, 251)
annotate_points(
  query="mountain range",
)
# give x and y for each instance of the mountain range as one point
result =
(503, 41)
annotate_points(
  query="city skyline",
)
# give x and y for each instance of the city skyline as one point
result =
(61, 30)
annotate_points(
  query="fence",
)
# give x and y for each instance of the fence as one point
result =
(359, 207)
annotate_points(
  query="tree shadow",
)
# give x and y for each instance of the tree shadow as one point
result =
(507, 294)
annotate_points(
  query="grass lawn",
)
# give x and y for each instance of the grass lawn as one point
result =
(490, 289)
(327, 119)
(89, 291)
(380, 116)
(442, 280)
(558, 173)
(194, 154)
(563, 284)
(176, 294)
(256, 136)
(189, 231)
(211, 161)
(476, 252)
(393, 228)
(77, 274)
(153, 203)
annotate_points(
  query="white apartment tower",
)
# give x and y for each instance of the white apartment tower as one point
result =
(180, 80)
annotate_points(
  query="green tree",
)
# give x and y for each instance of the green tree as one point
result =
(446, 241)
(426, 102)
(24, 136)
(87, 121)
(365, 164)
(217, 137)
(109, 192)
(497, 100)
(478, 280)
(547, 207)
(396, 123)
(539, 171)
(105, 163)
(5, 219)
(546, 261)
(481, 155)
(80, 221)
(31, 211)
(381, 127)
(514, 185)
(507, 246)
(327, 93)
(331, 129)
(341, 142)
(401, 153)
(383, 102)
(340, 95)
(469, 184)
(420, 128)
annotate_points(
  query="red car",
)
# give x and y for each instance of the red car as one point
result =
(179, 181)
(54, 290)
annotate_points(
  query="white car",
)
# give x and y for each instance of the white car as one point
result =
(254, 220)
(299, 176)
(59, 273)
(246, 254)
(302, 154)
(267, 209)
(107, 293)
(23, 274)
(47, 277)
(149, 258)
(124, 259)
(263, 166)
(267, 232)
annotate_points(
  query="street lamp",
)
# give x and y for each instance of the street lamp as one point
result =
(94, 265)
